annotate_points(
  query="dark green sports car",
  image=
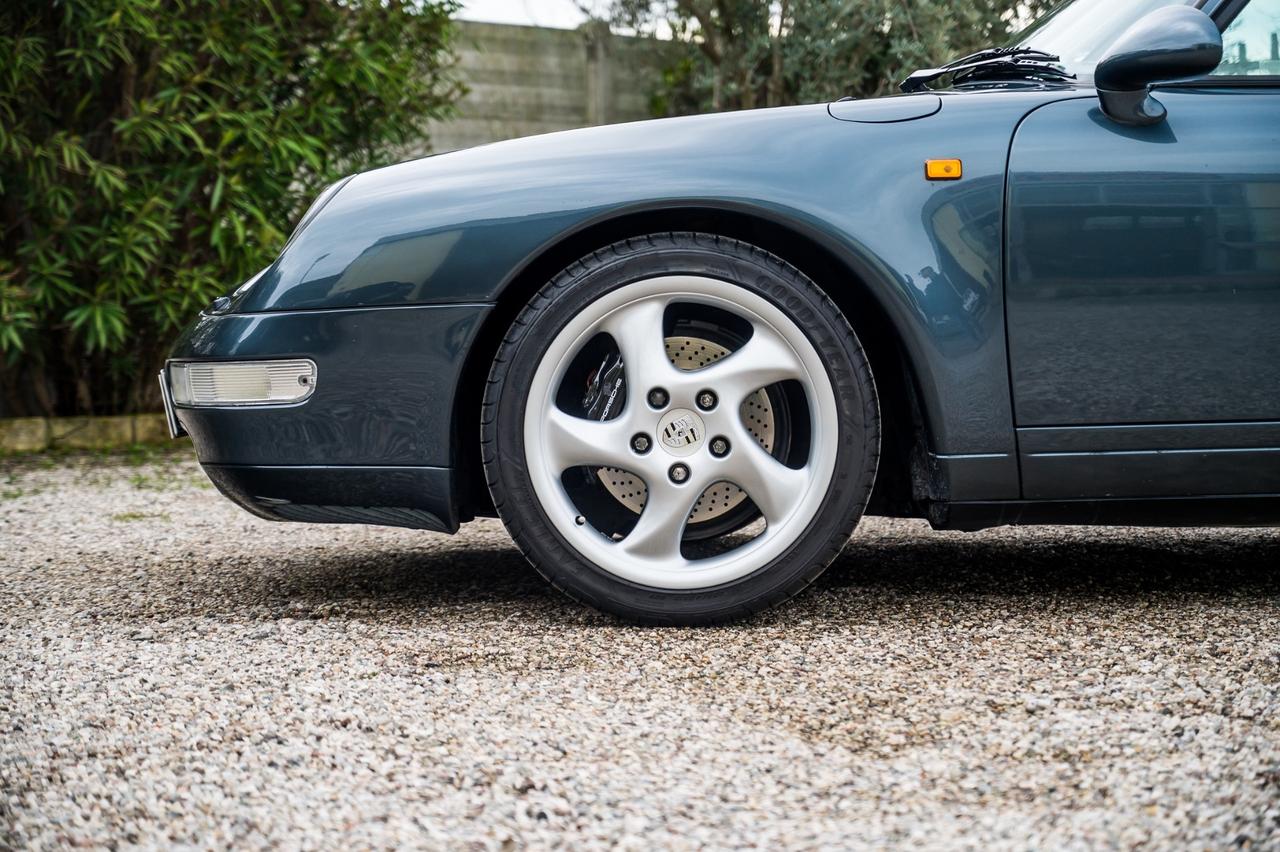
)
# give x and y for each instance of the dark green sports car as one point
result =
(680, 359)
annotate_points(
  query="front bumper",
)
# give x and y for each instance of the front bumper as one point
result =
(416, 497)
(374, 443)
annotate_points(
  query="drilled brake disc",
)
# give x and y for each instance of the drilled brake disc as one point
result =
(692, 353)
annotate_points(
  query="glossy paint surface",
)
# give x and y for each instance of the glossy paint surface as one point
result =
(384, 391)
(1078, 313)
(1144, 263)
(885, 110)
(1171, 43)
(458, 227)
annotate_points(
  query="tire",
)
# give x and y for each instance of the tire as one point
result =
(581, 455)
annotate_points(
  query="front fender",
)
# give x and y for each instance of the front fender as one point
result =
(459, 227)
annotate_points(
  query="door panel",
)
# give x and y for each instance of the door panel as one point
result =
(1144, 263)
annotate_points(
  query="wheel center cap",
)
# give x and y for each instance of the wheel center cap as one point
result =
(681, 432)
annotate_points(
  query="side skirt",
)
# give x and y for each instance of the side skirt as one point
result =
(1261, 510)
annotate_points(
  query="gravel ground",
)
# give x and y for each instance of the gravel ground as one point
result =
(173, 670)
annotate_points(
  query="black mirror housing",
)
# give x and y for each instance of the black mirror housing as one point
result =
(1171, 43)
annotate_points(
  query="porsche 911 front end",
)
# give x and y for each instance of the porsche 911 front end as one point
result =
(339, 416)
(679, 359)
(366, 375)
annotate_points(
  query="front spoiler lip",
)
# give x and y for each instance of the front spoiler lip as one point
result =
(170, 413)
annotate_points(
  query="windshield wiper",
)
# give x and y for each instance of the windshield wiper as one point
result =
(996, 63)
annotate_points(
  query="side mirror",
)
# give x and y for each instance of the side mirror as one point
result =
(1171, 43)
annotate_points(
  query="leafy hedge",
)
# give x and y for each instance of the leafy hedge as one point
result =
(154, 153)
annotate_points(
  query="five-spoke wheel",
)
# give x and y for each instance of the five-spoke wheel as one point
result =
(678, 445)
(697, 440)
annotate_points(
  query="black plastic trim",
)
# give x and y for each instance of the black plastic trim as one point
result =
(1227, 12)
(1226, 81)
(416, 497)
(1230, 511)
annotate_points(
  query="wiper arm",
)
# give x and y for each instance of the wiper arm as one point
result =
(993, 63)
(1005, 69)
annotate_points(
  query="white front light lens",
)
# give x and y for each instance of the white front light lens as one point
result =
(195, 383)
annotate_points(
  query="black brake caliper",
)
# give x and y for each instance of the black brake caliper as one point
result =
(606, 389)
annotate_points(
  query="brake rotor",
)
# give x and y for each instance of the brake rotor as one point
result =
(694, 353)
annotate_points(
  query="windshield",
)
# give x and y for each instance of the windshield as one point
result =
(1081, 32)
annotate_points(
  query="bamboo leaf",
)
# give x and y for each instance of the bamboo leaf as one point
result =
(217, 192)
(154, 154)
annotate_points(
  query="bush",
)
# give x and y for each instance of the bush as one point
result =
(155, 153)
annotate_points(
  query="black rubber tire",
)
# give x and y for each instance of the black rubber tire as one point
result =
(671, 254)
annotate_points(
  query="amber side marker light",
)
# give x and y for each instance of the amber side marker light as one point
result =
(943, 169)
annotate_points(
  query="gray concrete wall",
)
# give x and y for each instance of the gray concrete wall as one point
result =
(530, 80)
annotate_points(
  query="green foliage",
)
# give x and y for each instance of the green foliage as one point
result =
(155, 153)
(741, 54)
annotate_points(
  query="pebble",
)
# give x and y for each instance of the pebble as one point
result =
(175, 672)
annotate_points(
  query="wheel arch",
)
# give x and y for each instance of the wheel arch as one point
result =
(852, 284)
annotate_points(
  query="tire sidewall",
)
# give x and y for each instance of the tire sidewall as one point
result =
(738, 264)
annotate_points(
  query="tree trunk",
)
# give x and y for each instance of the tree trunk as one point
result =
(777, 85)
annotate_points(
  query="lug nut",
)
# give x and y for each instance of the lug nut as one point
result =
(706, 400)
(640, 443)
(658, 398)
(678, 473)
(719, 447)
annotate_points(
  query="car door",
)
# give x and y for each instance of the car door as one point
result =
(1143, 289)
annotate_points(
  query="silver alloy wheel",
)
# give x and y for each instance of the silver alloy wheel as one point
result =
(650, 554)
(694, 353)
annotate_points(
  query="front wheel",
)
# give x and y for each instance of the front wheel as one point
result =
(680, 429)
